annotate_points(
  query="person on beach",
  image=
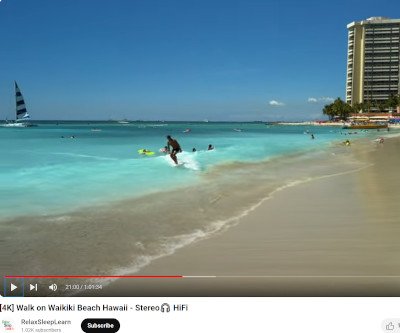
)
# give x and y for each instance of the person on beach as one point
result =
(176, 148)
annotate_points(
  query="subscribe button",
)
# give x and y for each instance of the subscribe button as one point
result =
(100, 325)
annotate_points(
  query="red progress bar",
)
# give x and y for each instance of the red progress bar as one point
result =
(93, 276)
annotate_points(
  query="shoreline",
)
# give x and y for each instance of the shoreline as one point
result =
(97, 168)
(107, 238)
(339, 249)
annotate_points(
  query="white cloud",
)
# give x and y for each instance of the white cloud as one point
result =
(320, 99)
(276, 103)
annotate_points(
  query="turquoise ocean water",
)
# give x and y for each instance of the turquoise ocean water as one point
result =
(95, 196)
(44, 171)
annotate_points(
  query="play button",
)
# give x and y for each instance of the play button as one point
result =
(14, 287)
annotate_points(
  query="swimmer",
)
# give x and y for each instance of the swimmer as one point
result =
(164, 150)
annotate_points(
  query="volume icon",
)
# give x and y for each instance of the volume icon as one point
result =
(53, 287)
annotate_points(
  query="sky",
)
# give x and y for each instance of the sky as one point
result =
(233, 60)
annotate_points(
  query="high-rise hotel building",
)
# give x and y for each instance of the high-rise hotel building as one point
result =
(373, 60)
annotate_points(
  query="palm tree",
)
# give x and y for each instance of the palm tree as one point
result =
(358, 107)
(380, 105)
(368, 105)
(338, 108)
(393, 101)
(328, 110)
(341, 108)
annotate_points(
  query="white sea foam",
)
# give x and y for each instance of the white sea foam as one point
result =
(49, 183)
(169, 245)
(189, 161)
(62, 218)
(101, 158)
(185, 159)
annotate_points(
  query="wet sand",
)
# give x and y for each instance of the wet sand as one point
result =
(335, 235)
(119, 238)
(316, 223)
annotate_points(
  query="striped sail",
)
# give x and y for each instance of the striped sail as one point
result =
(22, 113)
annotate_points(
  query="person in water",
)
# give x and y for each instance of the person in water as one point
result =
(210, 147)
(164, 150)
(176, 148)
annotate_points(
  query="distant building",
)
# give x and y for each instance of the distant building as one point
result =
(373, 61)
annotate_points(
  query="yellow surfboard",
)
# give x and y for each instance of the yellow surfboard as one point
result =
(145, 152)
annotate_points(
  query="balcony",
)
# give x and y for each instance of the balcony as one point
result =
(381, 40)
(379, 50)
(382, 62)
(379, 69)
(392, 79)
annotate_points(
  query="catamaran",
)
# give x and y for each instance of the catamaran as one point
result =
(22, 116)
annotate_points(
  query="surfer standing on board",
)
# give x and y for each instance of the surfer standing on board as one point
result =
(176, 148)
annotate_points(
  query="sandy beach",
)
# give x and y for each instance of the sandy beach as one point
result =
(315, 223)
(335, 235)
